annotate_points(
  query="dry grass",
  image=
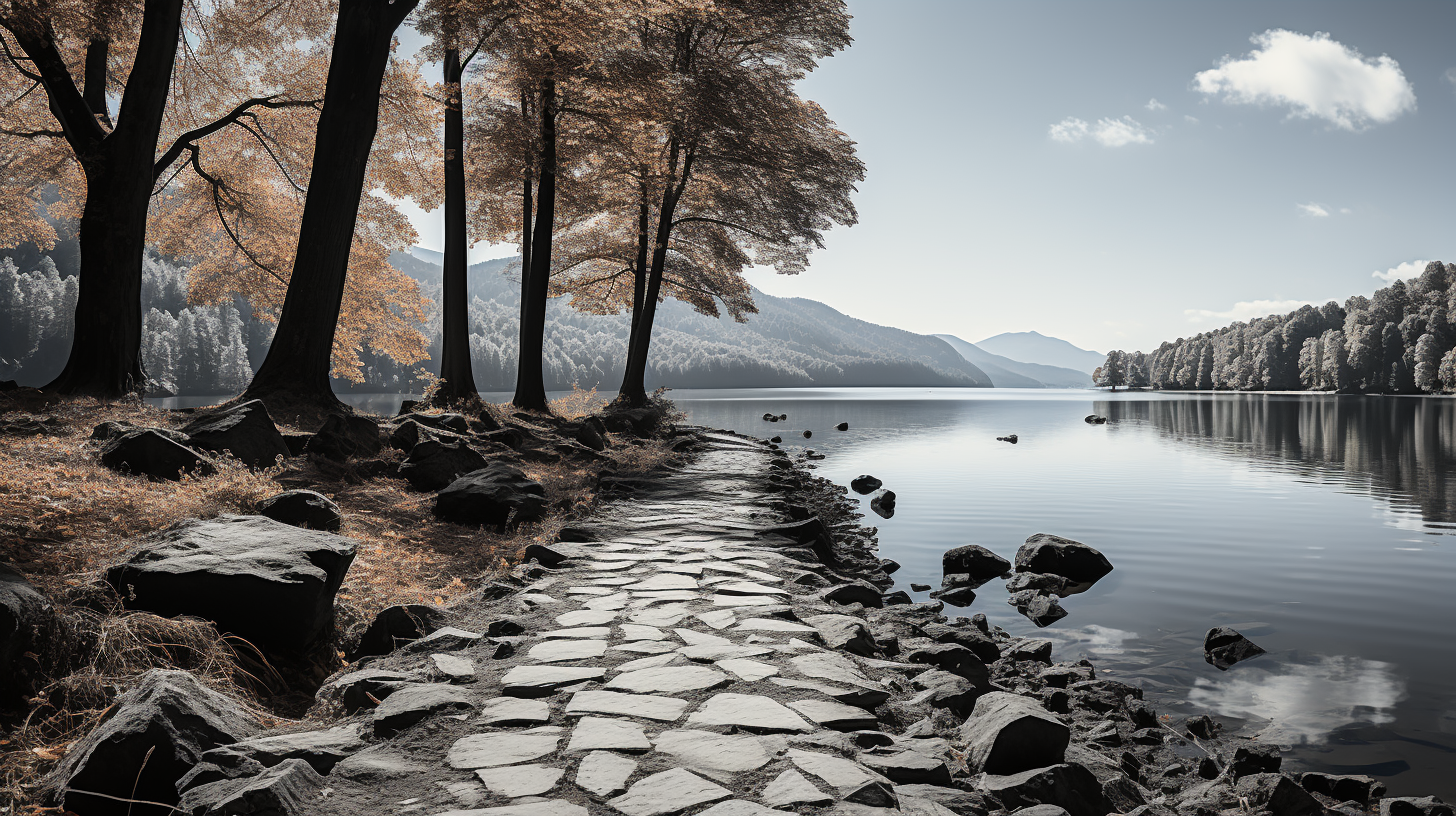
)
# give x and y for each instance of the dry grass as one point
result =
(578, 403)
(64, 518)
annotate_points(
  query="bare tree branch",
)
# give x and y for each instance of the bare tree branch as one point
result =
(188, 140)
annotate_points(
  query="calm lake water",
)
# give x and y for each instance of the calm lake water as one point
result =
(1319, 526)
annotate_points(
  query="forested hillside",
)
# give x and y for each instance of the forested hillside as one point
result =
(195, 349)
(1400, 341)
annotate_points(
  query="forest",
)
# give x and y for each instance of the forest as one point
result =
(231, 175)
(1401, 340)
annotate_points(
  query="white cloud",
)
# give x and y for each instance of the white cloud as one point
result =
(1313, 210)
(1345, 211)
(1155, 105)
(1246, 310)
(1405, 271)
(1315, 77)
(1069, 130)
(1304, 703)
(1192, 120)
(1450, 77)
(1106, 132)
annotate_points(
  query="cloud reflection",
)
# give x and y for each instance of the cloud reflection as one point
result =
(1096, 639)
(1304, 703)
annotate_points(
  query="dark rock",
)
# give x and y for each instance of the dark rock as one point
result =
(1256, 758)
(968, 636)
(1148, 736)
(322, 750)
(1012, 438)
(1413, 806)
(843, 426)
(977, 563)
(150, 738)
(364, 688)
(1103, 695)
(453, 423)
(415, 702)
(897, 598)
(907, 767)
(941, 689)
(957, 801)
(858, 592)
(345, 435)
(810, 579)
(1223, 647)
(487, 422)
(297, 442)
(434, 465)
(777, 439)
(292, 788)
(395, 626)
(919, 587)
(1361, 789)
(493, 495)
(1093, 419)
(1042, 610)
(1037, 582)
(951, 657)
(551, 556)
(110, 429)
(873, 794)
(1073, 560)
(268, 582)
(1062, 675)
(865, 485)
(588, 435)
(1277, 794)
(883, 503)
(411, 432)
(1037, 650)
(1203, 726)
(889, 565)
(635, 421)
(303, 508)
(245, 431)
(956, 596)
(808, 434)
(1068, 786)
(26, 619)
(843, 632)
(1121, 794)
(1009, 734)
(148, 452)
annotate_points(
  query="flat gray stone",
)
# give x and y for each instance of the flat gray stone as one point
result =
(745, 600)
(604, 773)
(504, 748)
(577, 632)
(603, 733)
(668, 792)
(750, 712)
(546, 807)
(541, 681)
(586, 617)
(693, 637)
(832, 667)
(749, 670)
(557, 651)
(669, 680)
(717, 618)
(457, 669)
(790, 789)
(616, 600)
(651, 662)
(646, 647)
(738, 807)
(714, 752)
(747, 588)
(636, 631)
(507, 711)
(415, 702)
(662, 581)
(772, 625)
(836, 771)
(520, 780)
(849, 695)
(843, 632)
(661, 616)
(646, 706)
(710, 652)
(837, 716)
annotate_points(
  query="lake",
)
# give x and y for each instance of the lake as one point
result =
(1319, 526)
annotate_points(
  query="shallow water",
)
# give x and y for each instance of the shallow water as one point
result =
(1318, 526)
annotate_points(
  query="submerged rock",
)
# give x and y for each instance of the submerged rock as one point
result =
(1073, 560)
(1223, 647)
(883, 503)
(1012, 438)
(1093, 419)
(977, 563)
(865, 484)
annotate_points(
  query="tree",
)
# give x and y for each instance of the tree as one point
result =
(298, 362)
(1112, 372)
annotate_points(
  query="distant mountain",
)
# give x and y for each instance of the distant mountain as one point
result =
(1031, 347)
(1008, 373)
(791, 342)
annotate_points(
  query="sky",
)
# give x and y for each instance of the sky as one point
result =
(1122, 173)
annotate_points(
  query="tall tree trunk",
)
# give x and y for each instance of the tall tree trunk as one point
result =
(298, 361)
(530, 379)
(105, 357)
(639, 270)
(458, 379)
(634, 391)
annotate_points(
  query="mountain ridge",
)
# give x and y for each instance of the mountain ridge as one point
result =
(1009, 373)
(1037, 348)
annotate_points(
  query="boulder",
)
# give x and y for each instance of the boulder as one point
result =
(907, 767)
(1277, 794)
(292, 788)
(361, 689)
(1223, 647)
(266, 581)
(1037, 582)
(1362, 789)
(1068, 786)
(26, 618)
(865, 485)
(1255, 758)
(303, 508)
(1042, 610)
(1012, 438)
(956, 596)
(951, 657)
(970, 637)
(493, 495)
(977, 563)
(454, 423)
(147, 452)
(1073, 560)
(409, 432)
(1009, 734)
(245, 431)
(843, 632)
(434, 465)
(345, 435)
(589, 435)
(1413, 806)
(1203, 727)
(857, 592)
(322, 749)
(150, 738)
(396, 626)
(416, 701)
(883, 503)
(941, 689)
(1093, 419)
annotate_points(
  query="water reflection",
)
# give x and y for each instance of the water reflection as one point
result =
(1402, 449)
(1304, 703)
(1094, 639)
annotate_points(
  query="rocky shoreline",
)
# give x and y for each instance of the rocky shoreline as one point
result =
(716, 639)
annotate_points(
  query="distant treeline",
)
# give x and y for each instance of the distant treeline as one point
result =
(1400, 341)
